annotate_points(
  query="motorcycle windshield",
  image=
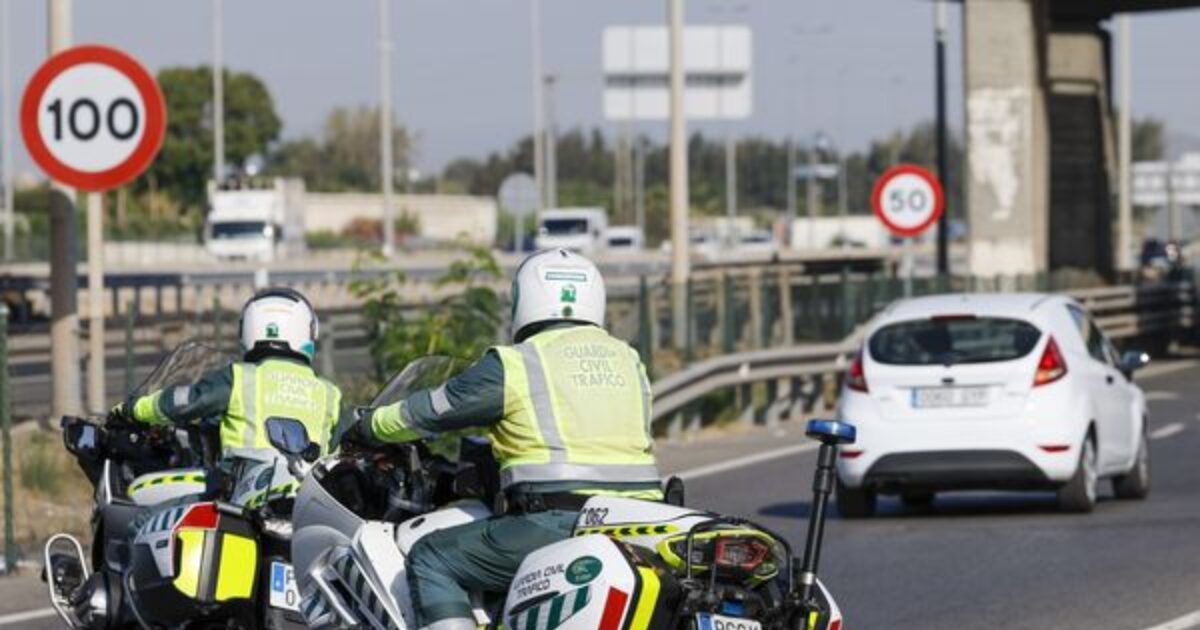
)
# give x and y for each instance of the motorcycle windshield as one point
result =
(423, 373)
(183, 365)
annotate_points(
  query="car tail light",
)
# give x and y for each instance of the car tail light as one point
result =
(743, 554)
(856, 377)
(849, 453)
(1051, 366)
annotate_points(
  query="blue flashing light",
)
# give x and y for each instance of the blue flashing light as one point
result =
(833, 431)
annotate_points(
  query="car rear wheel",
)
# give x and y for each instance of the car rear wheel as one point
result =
(855, 502)
(1135, 484)
(1079, 495)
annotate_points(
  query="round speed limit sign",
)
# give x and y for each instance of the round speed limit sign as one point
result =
(92, 117)
(908, 199)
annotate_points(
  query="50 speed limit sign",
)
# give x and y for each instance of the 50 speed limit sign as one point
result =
(908, 199)
(93, 117)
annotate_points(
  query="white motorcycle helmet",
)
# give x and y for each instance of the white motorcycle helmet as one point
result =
(281, 320)
(556, 285)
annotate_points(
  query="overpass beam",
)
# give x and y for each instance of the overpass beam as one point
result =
(1007, 155)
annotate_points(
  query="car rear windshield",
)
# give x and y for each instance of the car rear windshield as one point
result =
(565, 227)
(951, 340)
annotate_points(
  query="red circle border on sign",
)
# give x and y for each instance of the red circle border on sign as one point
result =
(939, 198)
(152, 102)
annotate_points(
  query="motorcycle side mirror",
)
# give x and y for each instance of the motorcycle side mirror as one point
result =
(81, 438)
(290, 437)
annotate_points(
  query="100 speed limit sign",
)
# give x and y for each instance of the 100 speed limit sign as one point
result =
(92, 117)
(908, 199)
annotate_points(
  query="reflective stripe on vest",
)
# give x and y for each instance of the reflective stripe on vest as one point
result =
(576, 408)
(250, 405)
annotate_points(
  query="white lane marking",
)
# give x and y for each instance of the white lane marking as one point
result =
(743, 462)
(1167, 431)
(1160, 395)
(1190, 620)
(28, 615)
(1166, 367)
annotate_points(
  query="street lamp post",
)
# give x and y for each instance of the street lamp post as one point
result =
(939, 13)
(551, 143)
(1124, 150)
(6, 129)
(680, 264)
(386, 174)
(64, 313)
(218, 90)
(535, 38)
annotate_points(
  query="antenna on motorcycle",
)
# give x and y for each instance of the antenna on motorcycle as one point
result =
(831, 434)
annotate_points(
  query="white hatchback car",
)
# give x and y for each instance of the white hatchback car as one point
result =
(991, 391)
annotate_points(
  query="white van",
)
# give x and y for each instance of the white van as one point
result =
(577, 229)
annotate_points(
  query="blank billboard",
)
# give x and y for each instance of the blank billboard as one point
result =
(717, 70)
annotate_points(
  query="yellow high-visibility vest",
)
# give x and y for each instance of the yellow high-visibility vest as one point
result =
(576, 408)
(277, 389)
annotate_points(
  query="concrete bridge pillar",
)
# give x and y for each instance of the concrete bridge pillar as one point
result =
(1007, 171)
(1041, 159)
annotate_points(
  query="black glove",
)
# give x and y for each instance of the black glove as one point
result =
(120, 415)
(355, 428)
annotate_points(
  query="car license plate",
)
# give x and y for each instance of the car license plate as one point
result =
(939, 397)
(284, 593)
(706, 621)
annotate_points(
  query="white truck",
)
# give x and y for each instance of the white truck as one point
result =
(624, 239)
(255, 220)
(577, 229)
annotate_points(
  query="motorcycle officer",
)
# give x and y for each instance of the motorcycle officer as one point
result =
(568, 412)
(278, 332)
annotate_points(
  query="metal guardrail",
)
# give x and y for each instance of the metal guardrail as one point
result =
(1123, 312)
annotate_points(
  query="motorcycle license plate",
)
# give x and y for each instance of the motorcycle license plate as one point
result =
(706, 621)
(284, 593)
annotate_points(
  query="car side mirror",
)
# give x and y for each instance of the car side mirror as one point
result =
(290, 437)
(1132, 361)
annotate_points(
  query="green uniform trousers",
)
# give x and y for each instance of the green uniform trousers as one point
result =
(446, 565)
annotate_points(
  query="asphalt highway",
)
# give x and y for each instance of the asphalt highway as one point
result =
(1005, 560)
(971, 561)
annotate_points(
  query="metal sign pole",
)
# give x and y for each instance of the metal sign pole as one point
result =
(908, 263)
(10, 544)
(95, 268)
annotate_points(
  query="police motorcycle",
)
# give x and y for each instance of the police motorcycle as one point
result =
(631, 565)
(210, 544)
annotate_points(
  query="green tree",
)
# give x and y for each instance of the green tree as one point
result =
(462, 325)
(1148, 137)
(185, 162)
(346, 156)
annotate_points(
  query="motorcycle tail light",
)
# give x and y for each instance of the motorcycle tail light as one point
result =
(199, 516)
(742, 554)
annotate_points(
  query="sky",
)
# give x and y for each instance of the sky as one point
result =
(852, 69)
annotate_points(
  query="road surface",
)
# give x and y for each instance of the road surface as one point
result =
(972, 561)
